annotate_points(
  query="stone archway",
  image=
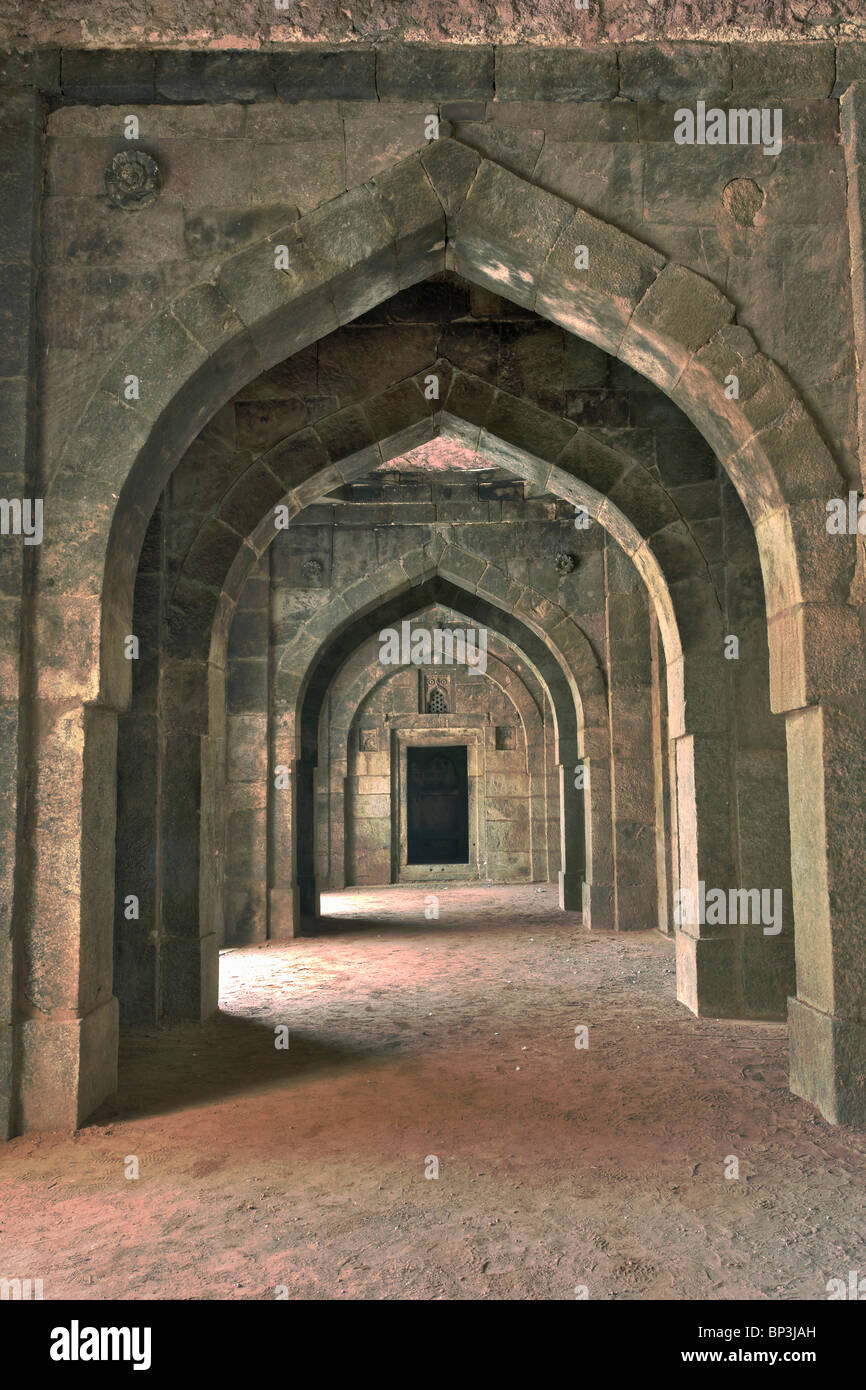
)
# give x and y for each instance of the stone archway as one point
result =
(444, 206)
(659, 548)
(359, 680)
(305, 675)
(699, 752)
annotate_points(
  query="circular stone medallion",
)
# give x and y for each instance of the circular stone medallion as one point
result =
(132, 179)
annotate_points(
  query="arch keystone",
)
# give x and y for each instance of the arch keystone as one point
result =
(451, 169)
(416, 217)
(505, 231)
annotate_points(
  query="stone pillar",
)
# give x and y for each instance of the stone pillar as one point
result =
(703, 740)
(827, 1032)
(137, 870)
(760, 771)
(139, 764)
(213, 833)
(852, 120)
(708, 956)
(189, 950)
(731, 794)
(731, 969)
(308, 896)
(827, 774)
(674, 853)
(598, 887)
(660, 781)
(246, 784)
(68, 1046)
(552, 799)
(536, 757)
(631, 745)
(338, 859)
(20, 188)
(283, 898)
(572, 832)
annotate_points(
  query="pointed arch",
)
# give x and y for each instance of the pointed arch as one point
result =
(442, 207)
(361, 677)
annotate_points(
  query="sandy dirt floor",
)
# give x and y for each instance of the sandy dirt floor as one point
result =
(304, 1169)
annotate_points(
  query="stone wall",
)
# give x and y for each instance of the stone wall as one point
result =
(238, 170)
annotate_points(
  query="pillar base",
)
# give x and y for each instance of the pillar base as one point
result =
(707, 975)
(68, 1068)
(284, 918)
(210, 975)
(309, 897)
(5, 1081)
(769, 974)
(190, 977)
(570, 894)
(598, 906)
(828, 1063)
(637, 907)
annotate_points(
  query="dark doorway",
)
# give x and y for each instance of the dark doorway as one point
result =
(437, 805)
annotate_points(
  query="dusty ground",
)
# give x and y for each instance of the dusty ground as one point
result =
(559, 1167)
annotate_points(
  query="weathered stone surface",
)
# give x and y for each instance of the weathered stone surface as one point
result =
(414, 214)
(108, 75)
(706, 975)
(189, 76)
(504, 233)
(378, 135)
(850, 65)
(555, 74)
(514, 149)
(604, 179)
(440, 73)
(531, 429)
(679, 314)
(597, 302)
(21, 121)
(827, 1062)
(97, 233)
(669, 72)
(782, 70)
(451, 168)
(577, 123)
(38, 68)
(15, 297)
(347, 74)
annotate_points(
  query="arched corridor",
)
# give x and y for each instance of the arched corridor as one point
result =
(437, 580)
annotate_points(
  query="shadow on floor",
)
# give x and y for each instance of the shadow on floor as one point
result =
(164, 1069)
(391, 926)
